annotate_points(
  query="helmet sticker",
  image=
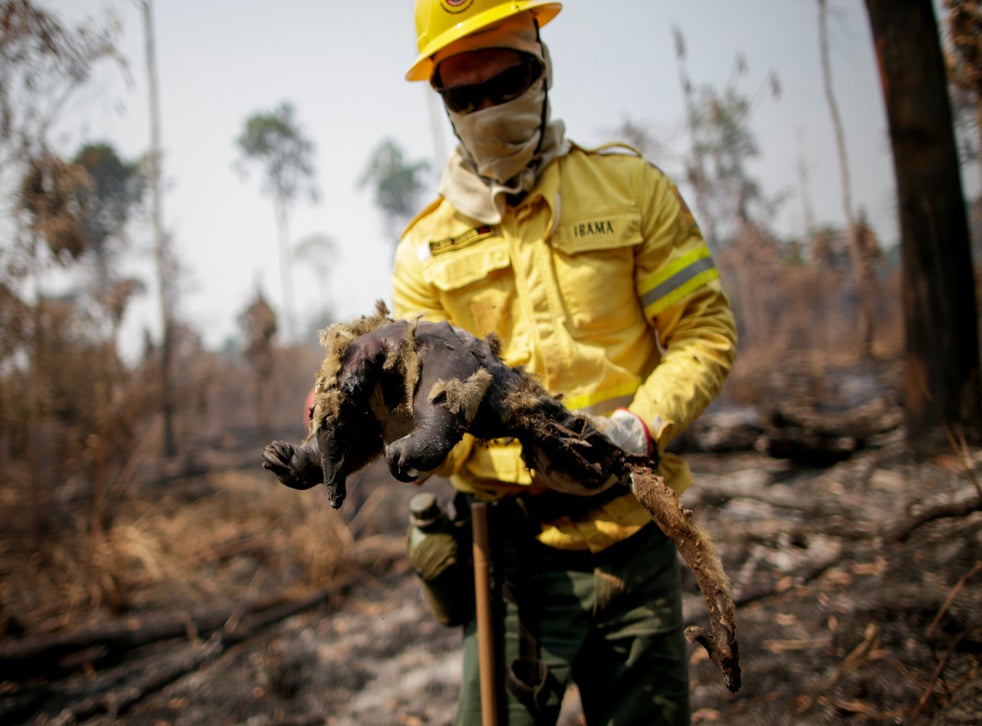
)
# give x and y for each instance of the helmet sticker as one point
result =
(456, 6)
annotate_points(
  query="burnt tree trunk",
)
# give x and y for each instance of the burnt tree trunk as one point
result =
(942, 344)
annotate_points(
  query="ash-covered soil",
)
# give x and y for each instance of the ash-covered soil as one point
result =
(849, 610)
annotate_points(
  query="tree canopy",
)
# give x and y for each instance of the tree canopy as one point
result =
(398, 184)
(276, 142)
(115, 190)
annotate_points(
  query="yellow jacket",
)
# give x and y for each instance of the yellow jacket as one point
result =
(600, 283)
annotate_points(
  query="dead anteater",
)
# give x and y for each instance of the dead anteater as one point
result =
(412, 389)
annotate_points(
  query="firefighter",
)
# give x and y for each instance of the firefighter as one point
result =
(590, 270)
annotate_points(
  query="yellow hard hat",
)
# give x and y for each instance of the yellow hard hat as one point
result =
(442, 22)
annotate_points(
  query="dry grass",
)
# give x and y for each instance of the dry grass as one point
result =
(240, 537)
(798, 318)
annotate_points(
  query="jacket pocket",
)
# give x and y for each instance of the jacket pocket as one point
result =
(595, 269)
(477, 290)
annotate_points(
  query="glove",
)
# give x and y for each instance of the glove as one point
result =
(626, 430)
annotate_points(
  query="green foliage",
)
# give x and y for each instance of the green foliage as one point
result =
(398, 184)
(116, 189)
(275, 141)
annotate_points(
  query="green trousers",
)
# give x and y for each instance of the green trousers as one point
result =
(610, 622)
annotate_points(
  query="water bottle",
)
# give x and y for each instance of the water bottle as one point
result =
(440, 563)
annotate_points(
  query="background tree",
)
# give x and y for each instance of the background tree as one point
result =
(860, 262)
(258, 322)
(114, 195)
(319, 251)
(942, 383)
(48, 205)
(275, 141)
(166, 262)
(398, 184)
(117, 188)
(86, 427)
(721, 143)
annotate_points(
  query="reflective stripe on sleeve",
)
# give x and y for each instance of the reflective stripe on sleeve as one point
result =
(678, 279)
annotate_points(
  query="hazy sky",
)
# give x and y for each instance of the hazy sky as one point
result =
(341, 65)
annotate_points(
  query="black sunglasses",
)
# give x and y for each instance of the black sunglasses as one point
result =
(506, 86)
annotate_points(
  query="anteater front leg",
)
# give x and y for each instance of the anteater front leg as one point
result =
(295, 467)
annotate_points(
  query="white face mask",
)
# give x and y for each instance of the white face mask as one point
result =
(502, 140)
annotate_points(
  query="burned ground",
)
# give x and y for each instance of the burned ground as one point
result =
(857, 585)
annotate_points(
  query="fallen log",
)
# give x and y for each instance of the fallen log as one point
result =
(52, 655)
(411, 390)
(113, 691)
(809, 436)
(901, 531)
(161, 673)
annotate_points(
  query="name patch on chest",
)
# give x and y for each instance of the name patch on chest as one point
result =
(469, 237)
(594, 228)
